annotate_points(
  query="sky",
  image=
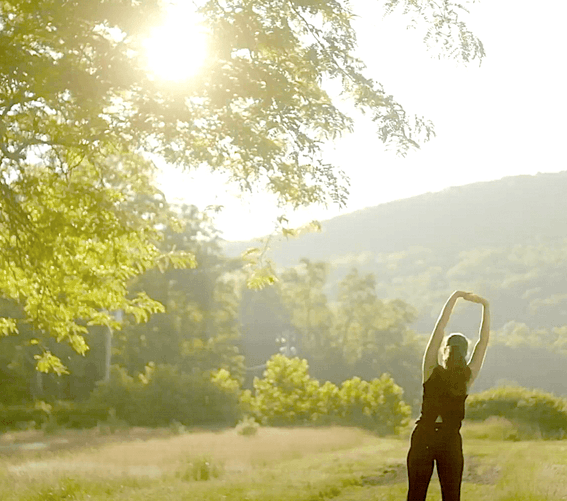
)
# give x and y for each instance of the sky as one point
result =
(502, 118)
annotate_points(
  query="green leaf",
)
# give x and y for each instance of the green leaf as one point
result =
(8, 327)
(261, 278)
(47, 362)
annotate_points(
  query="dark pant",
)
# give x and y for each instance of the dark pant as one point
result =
(429, 445)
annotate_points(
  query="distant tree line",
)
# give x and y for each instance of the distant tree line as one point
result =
(358, 334)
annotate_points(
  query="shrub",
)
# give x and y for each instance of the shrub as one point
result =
(493, 428)
(50, 426)
(14, 416)
(78, 415)
(177, 428)
(285, 396)
(531, 409)
(288, 396)
(376, 404)
(59, 414)
(112, 424)
(120, 393)
(247, 427)
(163, 394)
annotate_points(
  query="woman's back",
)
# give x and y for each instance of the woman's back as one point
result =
(444, 397)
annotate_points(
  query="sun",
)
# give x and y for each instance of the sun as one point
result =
(178, 48)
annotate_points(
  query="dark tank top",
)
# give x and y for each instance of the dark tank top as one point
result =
(440, 400)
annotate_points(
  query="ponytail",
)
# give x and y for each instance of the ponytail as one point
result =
(455, 358)
(455, 362)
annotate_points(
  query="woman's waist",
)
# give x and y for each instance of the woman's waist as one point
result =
(433, 424)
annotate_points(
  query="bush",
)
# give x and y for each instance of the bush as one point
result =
(247, 427)
(285, 396)
(78, 415)
(376, 404)
(59, 414)
(530, 409)
(494, 428)
(288, 396)
(112, 424)
(120, 393)
(176, 428)
(13, 417)
(163, 394)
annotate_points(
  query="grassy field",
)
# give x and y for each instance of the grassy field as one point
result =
(310, 464)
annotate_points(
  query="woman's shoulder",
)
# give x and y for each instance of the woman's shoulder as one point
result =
(435, 372)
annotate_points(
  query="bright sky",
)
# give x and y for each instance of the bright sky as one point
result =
(503, 118)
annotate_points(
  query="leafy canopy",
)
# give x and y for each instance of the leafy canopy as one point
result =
(80, 114)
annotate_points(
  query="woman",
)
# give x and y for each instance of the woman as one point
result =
(436, 436)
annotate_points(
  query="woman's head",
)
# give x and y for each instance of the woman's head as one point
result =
(455, 351)
(455, 361)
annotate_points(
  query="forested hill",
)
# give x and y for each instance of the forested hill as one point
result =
(513, 210)
(505, 239)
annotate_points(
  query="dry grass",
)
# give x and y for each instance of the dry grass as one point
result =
(301, 464)
(156, 457)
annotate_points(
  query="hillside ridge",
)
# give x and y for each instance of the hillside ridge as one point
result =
(488, 213)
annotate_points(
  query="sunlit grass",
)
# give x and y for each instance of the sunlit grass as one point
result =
(144, 461)
(304, 464)
(159, 456)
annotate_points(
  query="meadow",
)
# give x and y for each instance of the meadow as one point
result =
(276, 464)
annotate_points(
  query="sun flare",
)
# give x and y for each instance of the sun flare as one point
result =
(178, 48)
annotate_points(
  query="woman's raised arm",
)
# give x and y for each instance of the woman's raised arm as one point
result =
(479, 352)
(430, 359)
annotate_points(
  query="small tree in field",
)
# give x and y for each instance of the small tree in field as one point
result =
(375, 404)
(287, 395)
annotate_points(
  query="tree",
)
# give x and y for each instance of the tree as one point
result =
(198, 330)
(302, 293)
(373, 334)
(70, 244)
(75, 94)
(264, 319)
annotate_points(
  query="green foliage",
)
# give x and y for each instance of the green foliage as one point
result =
(8, 326)
(61, 414)
(375, 404)
(177, 428)
(533, 408)
(69, 262)
(50, 426)
(14, 417)
(260, 278)
(80, 217)
(120, 393)
(287, 395)
(163, 394)
(247, 426)
(367, 327)
(302, 293)
(111, 424)
(199, 330)
(358, 334)
(493, 428)
(444, 31)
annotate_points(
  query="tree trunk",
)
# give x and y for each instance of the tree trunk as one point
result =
(107, 354)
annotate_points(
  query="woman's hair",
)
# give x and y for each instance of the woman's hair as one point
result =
(455, 362)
